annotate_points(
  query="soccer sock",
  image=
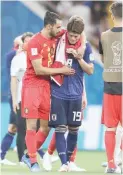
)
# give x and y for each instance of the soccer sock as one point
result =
(52, 145)
(31, 145)
(71, 143)
(20, 145)
(40, 138)
(73, 156)
(6, 143)
(110, 146)
(41, 153)
(61, 147)
(117, 153)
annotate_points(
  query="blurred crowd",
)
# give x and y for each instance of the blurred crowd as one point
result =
(95, 14)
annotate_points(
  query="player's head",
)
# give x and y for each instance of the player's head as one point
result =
(17, 42)
(53, 23)
(116, 10)
(75, 28)
(26, 37)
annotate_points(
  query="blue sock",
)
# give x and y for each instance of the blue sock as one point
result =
(6, 143)
(61, 147)
(71, 143)
(41, 153)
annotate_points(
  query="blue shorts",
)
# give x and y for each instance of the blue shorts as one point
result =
(65, 112)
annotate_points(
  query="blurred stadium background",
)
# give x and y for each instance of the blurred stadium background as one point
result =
(18, 17)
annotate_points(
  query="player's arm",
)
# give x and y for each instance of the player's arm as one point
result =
(36, 59)
(84, 97)
(101, 51)
(40, 70)
(14, 84)
(86, 62)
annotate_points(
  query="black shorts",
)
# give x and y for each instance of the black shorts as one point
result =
(20, 121)
(12, 119)
(65, 112)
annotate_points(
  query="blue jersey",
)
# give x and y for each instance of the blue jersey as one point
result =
(72, 87)
(9, 58)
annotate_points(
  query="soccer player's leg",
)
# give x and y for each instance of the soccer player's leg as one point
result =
(74, 121)
(44, 111)
(110, 119)
(30, 111)
(58, 120)
(21, 132)
(8, 138)
(117, 153)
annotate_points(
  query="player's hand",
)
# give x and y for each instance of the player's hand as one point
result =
(68, 71)
(78, 54)
(72, 51)
(15, 107)
(84, 102)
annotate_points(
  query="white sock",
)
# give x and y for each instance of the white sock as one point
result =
(117, 153)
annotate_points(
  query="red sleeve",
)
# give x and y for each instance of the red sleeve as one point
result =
(33, 50)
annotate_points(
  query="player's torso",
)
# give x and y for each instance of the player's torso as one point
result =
(72, 87)
(46, 52)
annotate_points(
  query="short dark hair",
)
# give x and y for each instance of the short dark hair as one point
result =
(50, 18)
(116, 9)
(75, 25)
(26, 34)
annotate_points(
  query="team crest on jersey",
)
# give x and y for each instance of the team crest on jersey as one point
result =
(54, 117)
(34, 51)
(26, 110)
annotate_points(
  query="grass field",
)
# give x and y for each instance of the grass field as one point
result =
(91, 161)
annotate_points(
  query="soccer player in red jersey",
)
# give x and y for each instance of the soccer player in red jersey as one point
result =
(36, 86)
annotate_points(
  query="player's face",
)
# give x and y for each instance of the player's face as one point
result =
(73, 37)
(26, 40)
(56, 28)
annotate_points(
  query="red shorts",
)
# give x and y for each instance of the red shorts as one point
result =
(36, 102)
(112, 110)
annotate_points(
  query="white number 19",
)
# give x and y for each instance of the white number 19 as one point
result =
(76, 116)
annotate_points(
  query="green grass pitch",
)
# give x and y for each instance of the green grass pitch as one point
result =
(91, 161)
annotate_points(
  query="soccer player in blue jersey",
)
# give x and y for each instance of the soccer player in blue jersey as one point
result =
(66, 100)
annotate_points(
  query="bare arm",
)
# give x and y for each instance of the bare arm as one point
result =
(84, 97)
(87, 67)
(41, 70)
(14, 93)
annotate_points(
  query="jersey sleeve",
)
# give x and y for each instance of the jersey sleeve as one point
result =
(15, 66)
(88, 55)
(33, 50)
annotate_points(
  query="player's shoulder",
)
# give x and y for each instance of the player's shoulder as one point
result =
(104, 34)
(18, 57)
(88, 45)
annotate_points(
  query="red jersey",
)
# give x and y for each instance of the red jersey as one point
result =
(39, 47)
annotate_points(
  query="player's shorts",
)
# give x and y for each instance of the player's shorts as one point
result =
(21, 122)
(65, 112)
(112, 110)
(13, 116)
(36, 102)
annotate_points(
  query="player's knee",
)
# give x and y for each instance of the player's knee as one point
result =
(61, 129)
(111, 129)
(31, 124)
(73, 129)
(45, 130)
(12, 129)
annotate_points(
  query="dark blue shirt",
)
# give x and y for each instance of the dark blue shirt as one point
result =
(72, 87)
